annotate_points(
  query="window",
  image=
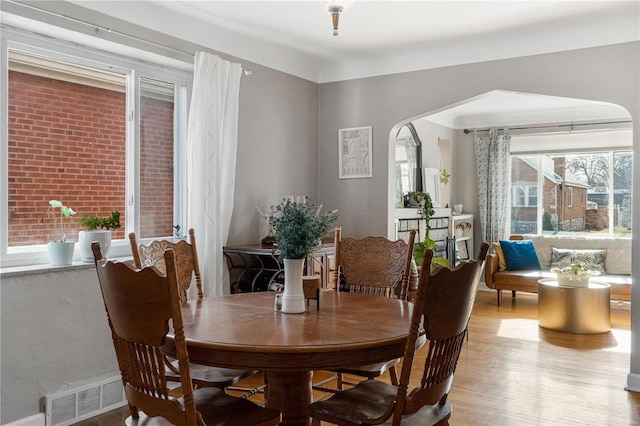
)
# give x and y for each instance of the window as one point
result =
(569, 196)
(99, 135)
(580, 193)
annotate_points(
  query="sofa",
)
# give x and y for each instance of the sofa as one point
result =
(617, 265)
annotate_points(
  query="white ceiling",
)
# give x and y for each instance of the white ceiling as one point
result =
(384, 37)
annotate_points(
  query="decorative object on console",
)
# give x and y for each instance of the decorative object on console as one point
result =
(60, 250)
(298, 228)
(92, 233)
(457, 209)
(576, 274)
(460, 227)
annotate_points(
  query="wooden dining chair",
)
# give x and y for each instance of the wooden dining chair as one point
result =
(188, 270)
(186, 254)
(140, 305)
(375, 266)
(443, 307)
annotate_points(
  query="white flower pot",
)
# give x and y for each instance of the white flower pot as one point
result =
(85, 238)
(60, 252)
(573, 280)
(293, 297)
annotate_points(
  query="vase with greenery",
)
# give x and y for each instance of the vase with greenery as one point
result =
(426, 212)
(576, 274)
(298, 228)
(60, 250)
(97, 229)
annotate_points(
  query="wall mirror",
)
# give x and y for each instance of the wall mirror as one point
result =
(408, 163)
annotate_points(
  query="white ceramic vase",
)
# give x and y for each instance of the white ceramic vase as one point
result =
(60, 252)
(293, 297)
(85, 238)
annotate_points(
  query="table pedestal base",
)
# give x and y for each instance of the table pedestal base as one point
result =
(290, 392)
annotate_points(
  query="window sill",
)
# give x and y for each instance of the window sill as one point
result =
(45, 268)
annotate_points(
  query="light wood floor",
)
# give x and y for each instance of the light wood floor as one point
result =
(512, 372)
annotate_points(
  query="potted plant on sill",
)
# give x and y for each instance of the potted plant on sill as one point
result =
(298, 228)
(576, 274)
(425, 210)
(60, 250)
(92, 233)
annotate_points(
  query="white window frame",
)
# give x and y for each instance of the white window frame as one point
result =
(135, 69)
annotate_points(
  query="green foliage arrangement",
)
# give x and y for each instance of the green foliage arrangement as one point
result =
(60, 230)
(93, 222)
(298, 227)
(426, 211)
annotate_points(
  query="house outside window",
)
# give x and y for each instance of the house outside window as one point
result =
(97, 136)
(579, 193)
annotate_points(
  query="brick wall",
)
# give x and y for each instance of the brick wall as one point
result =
(156, 168)
(67, 142)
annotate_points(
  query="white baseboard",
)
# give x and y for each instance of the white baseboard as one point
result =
(35, 420)
(633, 382)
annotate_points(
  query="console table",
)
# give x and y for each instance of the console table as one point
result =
(258, 263)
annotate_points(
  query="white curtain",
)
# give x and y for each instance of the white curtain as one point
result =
(494, 170)
(212, 139)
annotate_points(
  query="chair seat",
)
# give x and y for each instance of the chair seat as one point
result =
(208, 376)
(218, 409)
(370, 370)
(369, 400)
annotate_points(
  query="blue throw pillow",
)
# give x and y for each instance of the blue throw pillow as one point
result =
(519, 255)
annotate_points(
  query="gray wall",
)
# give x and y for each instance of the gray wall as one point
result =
(609, 74)
(277, 148)
(54, 336)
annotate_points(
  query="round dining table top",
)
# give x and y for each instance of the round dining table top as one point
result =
(243, 331)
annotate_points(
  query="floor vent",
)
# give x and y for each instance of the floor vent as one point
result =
(74, 405)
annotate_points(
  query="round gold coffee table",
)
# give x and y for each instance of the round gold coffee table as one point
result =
(582, 310)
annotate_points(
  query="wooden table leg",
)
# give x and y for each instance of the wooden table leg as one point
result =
(290, 392)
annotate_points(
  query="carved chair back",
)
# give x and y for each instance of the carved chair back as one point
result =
(186, 256)
(374, 265)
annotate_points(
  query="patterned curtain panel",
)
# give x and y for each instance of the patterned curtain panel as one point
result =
(494, 168)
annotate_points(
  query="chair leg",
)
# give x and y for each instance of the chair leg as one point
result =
(499, 293)
(513, 294)
(315, 422)
(394, 375)
(339, 381)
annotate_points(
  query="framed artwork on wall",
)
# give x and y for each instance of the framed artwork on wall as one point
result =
(354, 153)
(431, 182)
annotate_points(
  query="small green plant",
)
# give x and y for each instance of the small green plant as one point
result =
(93, 222)
(60, 230)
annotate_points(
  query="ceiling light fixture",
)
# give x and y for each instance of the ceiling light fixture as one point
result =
(335, 7)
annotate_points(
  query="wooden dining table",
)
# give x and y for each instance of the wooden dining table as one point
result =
(243, 331)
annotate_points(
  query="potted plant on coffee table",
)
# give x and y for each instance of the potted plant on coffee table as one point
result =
(60, 250)
(97, 229)
(577, 274)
